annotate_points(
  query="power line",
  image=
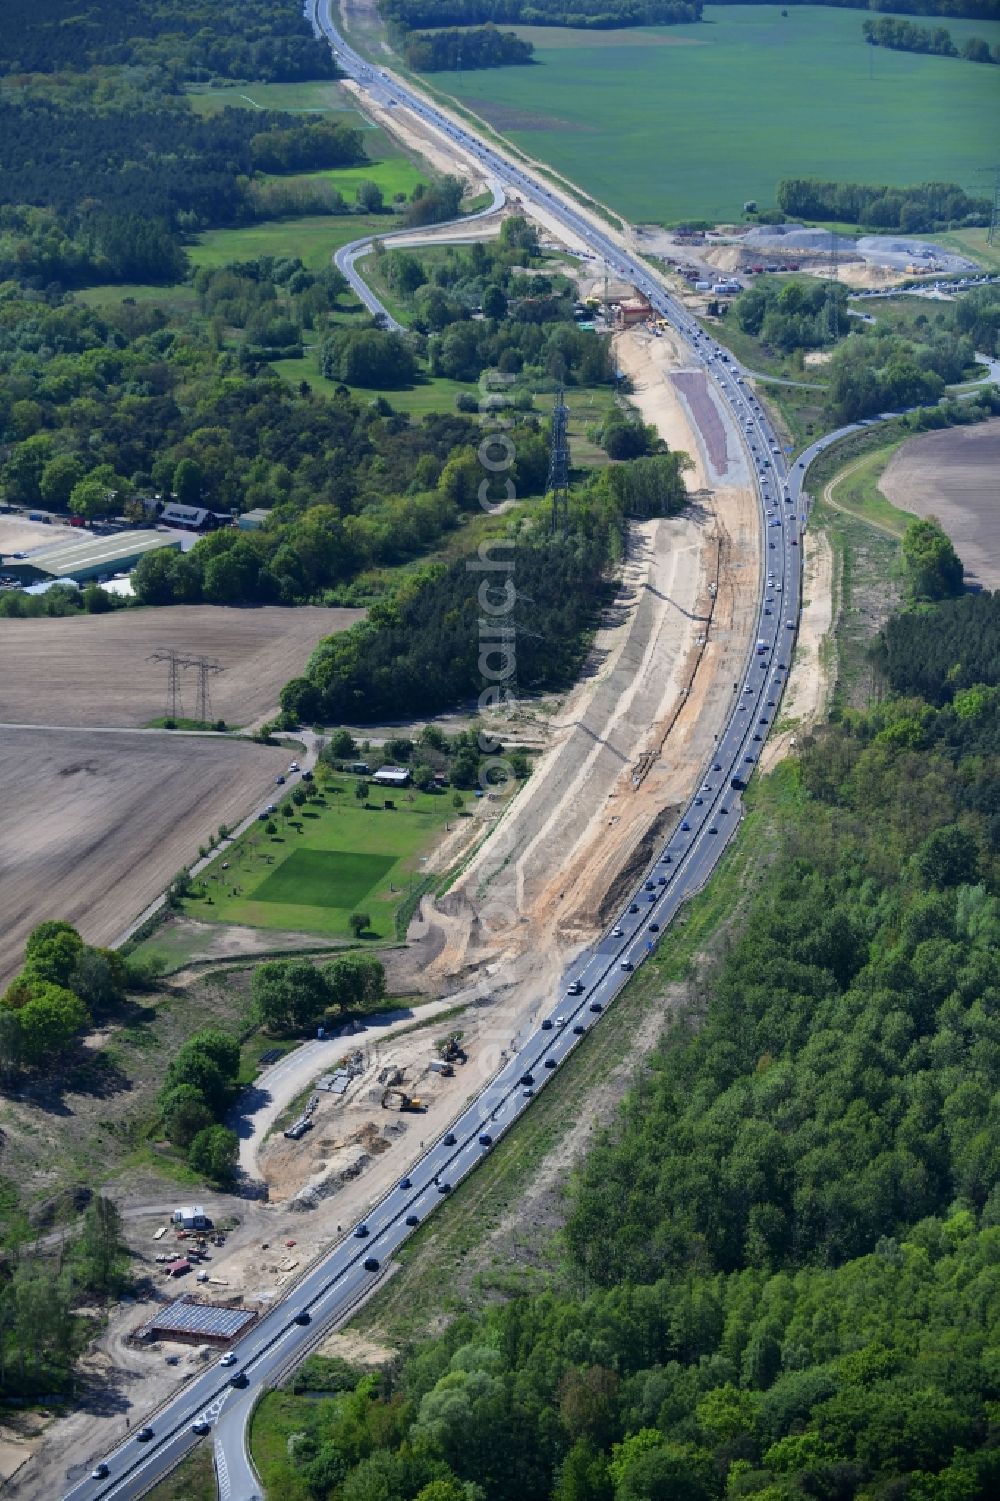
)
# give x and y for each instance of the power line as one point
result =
(559, 464)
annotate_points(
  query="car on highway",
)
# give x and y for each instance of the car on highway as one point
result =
(371, 1263)
(100, 1471)
(485, 1139)
(449, 1139)
(201, 1427)
(627, 964)
(444, 1188)
(550, 1063)
(361, 1232)
(303, 1316)
(413, 1219)
(404, 1183)
(547, 1024)
(144, 1435)
(229, 1358)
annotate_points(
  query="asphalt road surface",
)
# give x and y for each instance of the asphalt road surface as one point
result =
(684, 863)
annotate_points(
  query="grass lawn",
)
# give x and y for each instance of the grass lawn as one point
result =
(179, 297)
(393, 175)
(313, 238)
(326, 862)
(314, 96)
(193, 1479)
(728, 107)
(430, 395)
(856, 490)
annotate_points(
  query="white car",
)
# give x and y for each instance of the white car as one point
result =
(229, 1358)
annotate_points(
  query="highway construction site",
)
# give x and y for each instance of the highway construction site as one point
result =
(618, 757)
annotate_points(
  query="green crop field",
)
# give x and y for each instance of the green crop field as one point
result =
(331, 858)
(690, 121)
(312, 97)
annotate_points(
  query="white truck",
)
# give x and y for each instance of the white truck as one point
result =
(191, 1217)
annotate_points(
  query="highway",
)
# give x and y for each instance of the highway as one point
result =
(683, 864)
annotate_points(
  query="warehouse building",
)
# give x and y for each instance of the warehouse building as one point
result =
(85, 560)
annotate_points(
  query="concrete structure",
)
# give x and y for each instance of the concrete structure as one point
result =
(194, 1323)
(86, 559)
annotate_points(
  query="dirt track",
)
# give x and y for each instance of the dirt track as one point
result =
(95, 669)
(953, 475)
(97, 824)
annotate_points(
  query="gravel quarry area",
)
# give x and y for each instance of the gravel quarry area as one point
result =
(897, 252)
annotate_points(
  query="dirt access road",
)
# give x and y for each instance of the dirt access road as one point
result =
(96, 669)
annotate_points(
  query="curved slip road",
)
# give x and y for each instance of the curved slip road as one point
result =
(342, 1276)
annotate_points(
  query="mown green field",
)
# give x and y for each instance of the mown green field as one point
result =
(690, 121)
(313, 238)
(394, 175)
(327, 861)
(313, 96)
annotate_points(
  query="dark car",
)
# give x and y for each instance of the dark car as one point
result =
(713, 830)
(200, 1427)
(144, 1435)
(361, 1232)
(413, 1219)
(262, 817)
(485, 1139)
(550, 1063)
(649, 885)
(527, 1079)
(666, 860)
(547, 1024)
(99, 1471)
(239, 1378)
(303, 1316)
(279, 781)
(596, 1006)
(654, 927)
(685, 827)
(627, 964)
(661, 880)
(371, 1263)
(579, 1029)
(444, 1188)
(405, 1183)
(449, 1140)
(634, 907)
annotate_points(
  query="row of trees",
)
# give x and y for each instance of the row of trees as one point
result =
(62, 983)
(600, 15)
(291, 995)
(199, 1087)
(483, 47)
(948, 655)
(878, 371)
(914, 210)
(903, 36)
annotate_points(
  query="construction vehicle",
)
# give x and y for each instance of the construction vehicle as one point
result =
(439, 1066)
(452, 1051)
(398, 1099)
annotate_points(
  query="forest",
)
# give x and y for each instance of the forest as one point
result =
(484, 47)
(914, 210)
(194, 41)
(780, 1267)
(903, 36)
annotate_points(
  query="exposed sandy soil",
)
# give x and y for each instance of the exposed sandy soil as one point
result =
(809, 682)
(953, 475)
(95, 669)
(632, 738)
(96, 824)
